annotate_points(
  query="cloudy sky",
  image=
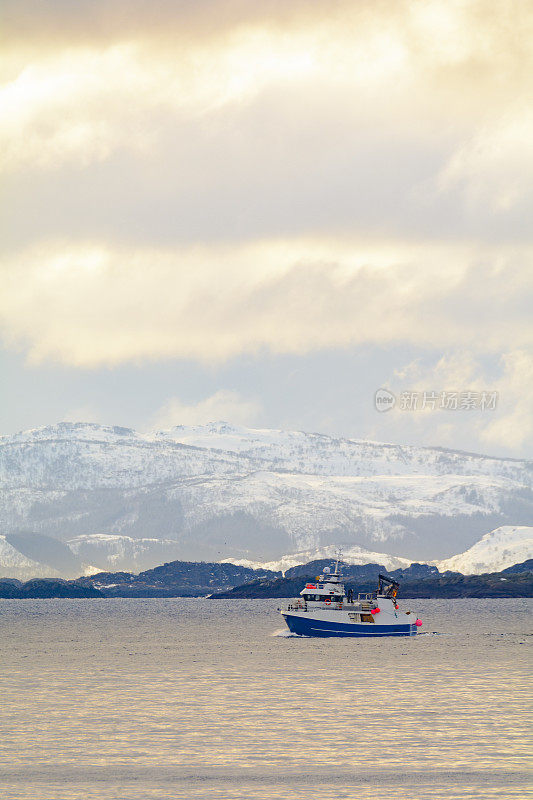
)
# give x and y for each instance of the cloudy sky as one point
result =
(265, 211)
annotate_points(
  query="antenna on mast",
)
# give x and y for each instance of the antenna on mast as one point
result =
(338, 556)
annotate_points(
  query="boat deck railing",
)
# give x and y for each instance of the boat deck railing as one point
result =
(366, 601)
(296, 605)
(363, 603)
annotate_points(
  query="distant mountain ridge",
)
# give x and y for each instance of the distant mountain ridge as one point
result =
(495, 551)
(450, 586)
(230, 581)
(176, 579)
(118, 499)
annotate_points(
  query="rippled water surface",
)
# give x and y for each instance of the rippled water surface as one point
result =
(142, 699)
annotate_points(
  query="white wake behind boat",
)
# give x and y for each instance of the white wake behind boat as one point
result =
(325, 609)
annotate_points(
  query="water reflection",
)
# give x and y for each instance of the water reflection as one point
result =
(155, 699)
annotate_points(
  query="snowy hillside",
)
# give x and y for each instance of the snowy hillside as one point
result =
(111, 552)
(14, 564)
(352, 555)
(495, 551)
(318, 454)
(124, 500)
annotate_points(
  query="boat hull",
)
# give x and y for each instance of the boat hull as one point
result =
(313, 626)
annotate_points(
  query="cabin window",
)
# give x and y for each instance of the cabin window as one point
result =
(367, 618)
(332, 598)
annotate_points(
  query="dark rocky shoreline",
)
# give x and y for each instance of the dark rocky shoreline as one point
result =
(229, 581)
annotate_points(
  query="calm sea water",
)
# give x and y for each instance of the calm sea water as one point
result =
(142, 699)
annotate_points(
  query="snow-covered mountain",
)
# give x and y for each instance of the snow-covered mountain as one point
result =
(497, 550)
(104, 551)
(124, 500)
(14, 564)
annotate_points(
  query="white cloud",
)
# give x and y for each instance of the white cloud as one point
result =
(80, 102)
(223, 405)
(495, 167)
(55, 110)
(507, 428)
(83, 413)
(457, 370)
(87, 306)
(148, 127)
(513, 426)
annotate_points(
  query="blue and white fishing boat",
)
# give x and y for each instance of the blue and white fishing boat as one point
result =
(325, 609)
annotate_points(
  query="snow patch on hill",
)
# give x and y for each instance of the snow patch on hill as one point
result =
(497, 550)
(112, 552)
(351, 555)
(14, 564)
(319, 454)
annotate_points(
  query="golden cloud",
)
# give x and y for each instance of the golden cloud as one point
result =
(392, 64)
(367, 165)
(87, 306)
